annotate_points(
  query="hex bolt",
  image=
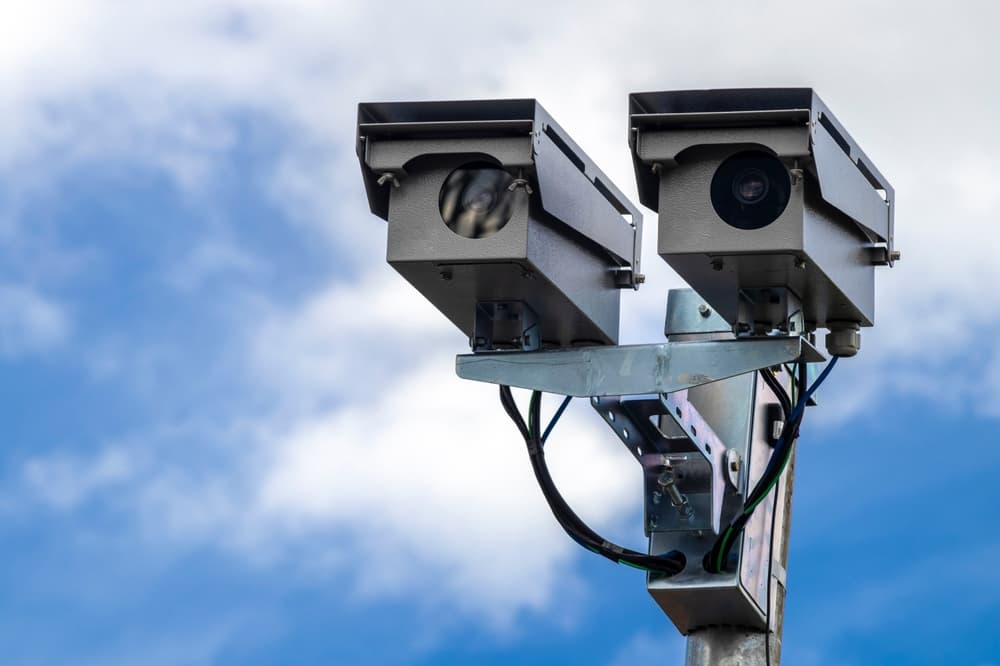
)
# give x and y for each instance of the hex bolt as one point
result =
(668, 483)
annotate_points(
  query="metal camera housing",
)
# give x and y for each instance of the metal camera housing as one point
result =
(810, 260)
(500, 220)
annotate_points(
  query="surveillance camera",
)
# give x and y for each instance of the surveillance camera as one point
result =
(500, 220)
(767, 207)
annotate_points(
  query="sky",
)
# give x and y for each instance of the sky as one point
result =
(232, 435)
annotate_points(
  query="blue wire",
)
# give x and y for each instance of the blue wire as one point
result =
(800, 406)
(812, 389)
(555, 417)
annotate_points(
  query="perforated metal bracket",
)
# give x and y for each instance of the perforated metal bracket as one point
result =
(689, 449)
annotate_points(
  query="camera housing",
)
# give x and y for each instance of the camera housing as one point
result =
(500, 220)
(767, 207)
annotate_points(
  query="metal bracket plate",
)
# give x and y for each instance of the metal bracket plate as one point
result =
(692, 448)
(633, 369)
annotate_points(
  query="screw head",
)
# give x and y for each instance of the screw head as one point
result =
(704, 310)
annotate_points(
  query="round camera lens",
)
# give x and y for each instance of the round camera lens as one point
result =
(476, 200)
(479, 200)
(750, 189)
(750, 186)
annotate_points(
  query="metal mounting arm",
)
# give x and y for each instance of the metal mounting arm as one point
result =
(633, 369)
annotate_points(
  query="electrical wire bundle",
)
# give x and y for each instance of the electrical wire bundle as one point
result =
(668, 564)
(717, 558)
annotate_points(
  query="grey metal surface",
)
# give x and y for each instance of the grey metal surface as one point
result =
(688, 313)
(633, 369)
(726, 646)
(691, 449)
(849, 178)
(560, 276)
(811, 248)
(694, 599)
(730, 646)
(823, 247)
(518, 133)
(573, 240)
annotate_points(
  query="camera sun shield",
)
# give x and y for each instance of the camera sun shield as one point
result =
(500, 220)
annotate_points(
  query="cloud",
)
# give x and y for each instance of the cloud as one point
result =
(369, 454)
(643, 648)
(428, 475)
(63, 482)
(29, 322)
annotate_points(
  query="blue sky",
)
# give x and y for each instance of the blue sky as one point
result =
(233, 435)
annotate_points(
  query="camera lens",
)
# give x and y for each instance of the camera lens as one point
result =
(750, 189)
(475, 200)
(750, 186)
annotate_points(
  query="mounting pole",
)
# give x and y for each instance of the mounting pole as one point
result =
(729, 646)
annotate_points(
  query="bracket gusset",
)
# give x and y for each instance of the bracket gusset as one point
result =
(633, 369)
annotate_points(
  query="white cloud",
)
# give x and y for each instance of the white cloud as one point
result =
(354, 450)
(427, 475)
(64, 482)
(29, 322)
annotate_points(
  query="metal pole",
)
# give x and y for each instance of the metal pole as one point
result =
(729, 646)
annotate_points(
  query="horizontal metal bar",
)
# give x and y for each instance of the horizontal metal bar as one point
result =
(633, 369)
(445, 127)
(726, 118)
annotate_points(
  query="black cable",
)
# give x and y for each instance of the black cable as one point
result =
(668, 564)
(786, 410)
(716, 558)
(555, 418)
(779, 392)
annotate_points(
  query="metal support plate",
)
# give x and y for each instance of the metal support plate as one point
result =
(633, 369)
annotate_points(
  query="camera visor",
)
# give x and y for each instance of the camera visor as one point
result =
(476, 200)
(750, 189)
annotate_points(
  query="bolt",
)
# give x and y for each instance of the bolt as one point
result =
(717, 264)
(668, 483)
(640, 278)
(446, 275)
(895, 255)
(800, 263)
(704, 310)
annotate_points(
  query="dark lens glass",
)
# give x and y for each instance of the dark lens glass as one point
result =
(750, 186)
(750, 190)
(476, 200)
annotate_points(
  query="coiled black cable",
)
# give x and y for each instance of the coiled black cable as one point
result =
(668, 564)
